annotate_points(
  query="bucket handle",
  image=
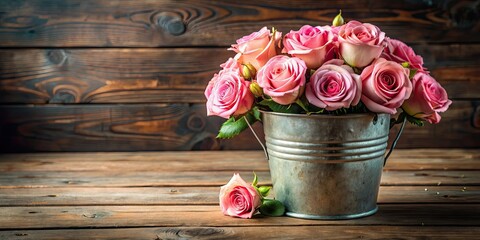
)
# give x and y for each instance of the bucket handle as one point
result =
(394, 143)
(258, 139)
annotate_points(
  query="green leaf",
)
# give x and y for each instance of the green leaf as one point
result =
(272, 207)
(232, 127)
(412, 73)
(292, 108)
(256, 114)
(300, 103)
(264, 190)
(415, 121)
(255, 180)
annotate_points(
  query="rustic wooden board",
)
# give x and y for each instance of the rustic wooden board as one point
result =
(175, 216)
(218, 23)
(35, 179)
(401, 159)
(173, 75)
(90, 196)
(270, 232)
(141, 127)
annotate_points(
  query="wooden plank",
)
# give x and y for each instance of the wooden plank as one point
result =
(104, 127)
(88, 196)
(211, 216)
(81, 23)
(270, 232)
(150, 127)
(29, 179)
(170, 75)
(401, 159)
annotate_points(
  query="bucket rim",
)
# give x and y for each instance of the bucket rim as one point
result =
(321, 116)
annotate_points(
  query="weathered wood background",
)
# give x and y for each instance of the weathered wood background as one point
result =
(101, 75)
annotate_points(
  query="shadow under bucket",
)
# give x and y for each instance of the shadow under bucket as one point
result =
(326, 167)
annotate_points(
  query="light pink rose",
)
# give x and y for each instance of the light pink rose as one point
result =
(385, 86)
(360, 43)
(257, 48)
(283, 78)
(314, 45)
(232, 65)
(427, 100)
(334, 86)
(228, 95)
(238, 198)
(399, 52)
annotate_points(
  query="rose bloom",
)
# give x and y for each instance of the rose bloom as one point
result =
(385, 86)
(399, 52)
(314, 45)
(360, 43)
(238, 198)
(427, 100)
(232, 65)
(283, 78)
(228, 95)
(257, 48)
(334, 86)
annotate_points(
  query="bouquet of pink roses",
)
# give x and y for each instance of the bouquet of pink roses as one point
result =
(339, 69)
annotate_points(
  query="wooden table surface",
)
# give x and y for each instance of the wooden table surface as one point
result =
(174, 195)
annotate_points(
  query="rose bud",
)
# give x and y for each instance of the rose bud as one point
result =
(256, 89)
(248, 71)
(338, 20)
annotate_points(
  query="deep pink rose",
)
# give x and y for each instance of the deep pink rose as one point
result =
(334, 86)
(399, 52)
(314, 45)
(257, 48)
(427, 100)
(228, 95)
(238, 198)
(283, 78)
(385, 85)
(360, 43)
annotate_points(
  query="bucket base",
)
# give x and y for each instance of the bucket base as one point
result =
(335, 217)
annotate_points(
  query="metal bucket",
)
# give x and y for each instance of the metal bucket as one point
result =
(326, 167)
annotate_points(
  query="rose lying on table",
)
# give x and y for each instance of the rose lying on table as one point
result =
(338, 69)
(240, 199)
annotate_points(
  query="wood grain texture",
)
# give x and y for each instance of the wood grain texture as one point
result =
(401, 159)
(173, 75)
(147, 127)
(33, 179)
(219, 23)
(270, 232)
(210, 216)
(91, 196)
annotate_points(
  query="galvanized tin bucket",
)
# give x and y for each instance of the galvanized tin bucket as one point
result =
(326, 167)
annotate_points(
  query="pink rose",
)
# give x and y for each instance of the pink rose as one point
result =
(399, 52)
(360, 43)
(228, 95)
(257, 48)
(314, 45)
(239, 199)
(385, 85)
(232, 65)
(283, 78)
(334, 86)
(427, 100)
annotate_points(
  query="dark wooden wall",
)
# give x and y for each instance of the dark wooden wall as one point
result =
(102, 75)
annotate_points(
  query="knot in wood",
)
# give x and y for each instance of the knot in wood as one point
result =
(196, 123)
(57, 56)
(464, 16)
(171, 23)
